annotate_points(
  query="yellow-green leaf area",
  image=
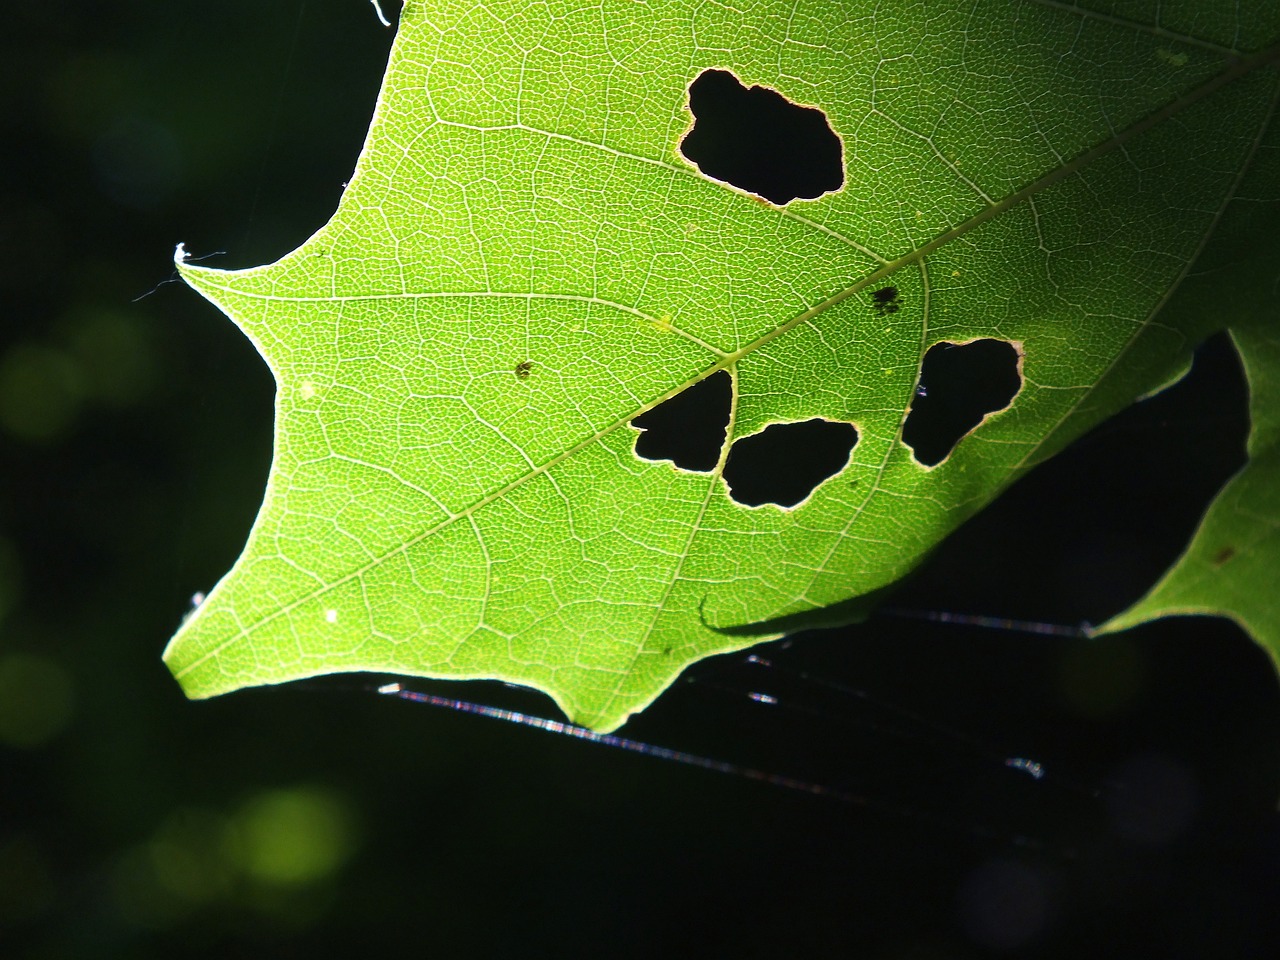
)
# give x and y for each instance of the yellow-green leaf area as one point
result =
(525, 261)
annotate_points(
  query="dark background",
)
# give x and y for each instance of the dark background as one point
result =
(321, 820)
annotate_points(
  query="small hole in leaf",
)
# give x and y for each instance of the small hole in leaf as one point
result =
(757, 140)
(689, 428)
(786, 462)
(959, 385)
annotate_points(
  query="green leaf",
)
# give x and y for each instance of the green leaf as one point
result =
(1064, 180)
(1230, 567)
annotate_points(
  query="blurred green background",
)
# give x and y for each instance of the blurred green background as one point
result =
(321, 820)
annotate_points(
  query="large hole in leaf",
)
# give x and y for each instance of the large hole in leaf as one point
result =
(959, 385)
(689, 428)
(786, 462)
(759, 141)
(1107, 516)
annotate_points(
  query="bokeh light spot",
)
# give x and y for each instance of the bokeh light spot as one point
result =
(36, 700)
(116, 359)
(192, 855)
(40, 392)
(295, 837)
(139, 896)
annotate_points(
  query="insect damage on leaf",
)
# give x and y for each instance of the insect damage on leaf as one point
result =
(786, 462)
(885, 300)
(755, 139)
(525, 191)
(960, 385)
(689, 428)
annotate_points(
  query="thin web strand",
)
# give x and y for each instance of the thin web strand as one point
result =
(621, 743)
(980, 749)
(811, 788)
(993, 623)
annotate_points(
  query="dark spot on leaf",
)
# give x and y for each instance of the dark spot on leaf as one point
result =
(689, 428)
(1223, 555)
(758, 141)
(786, 462)
(885, 300)
(959, 385)
(524, 368)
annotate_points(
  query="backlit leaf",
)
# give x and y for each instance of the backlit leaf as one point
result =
(525, 261)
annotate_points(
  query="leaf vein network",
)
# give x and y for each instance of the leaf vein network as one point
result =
(684, 170)
(727, 360)
(1149, 322)
(1153, 29)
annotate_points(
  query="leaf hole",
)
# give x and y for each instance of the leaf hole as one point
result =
(757, 140)
(785, 462)
(689, 428)
(959, 386)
